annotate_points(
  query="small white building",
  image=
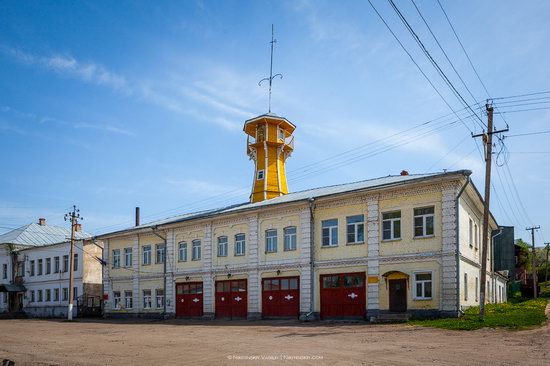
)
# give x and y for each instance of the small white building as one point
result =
(34, 278)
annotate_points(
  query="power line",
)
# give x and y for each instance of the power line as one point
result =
(524, 110)
(522, 95)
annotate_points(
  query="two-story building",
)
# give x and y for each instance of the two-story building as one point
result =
(35, 270)
(404, 244)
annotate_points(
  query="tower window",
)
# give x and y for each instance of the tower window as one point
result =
(281, 134)
(260, 174)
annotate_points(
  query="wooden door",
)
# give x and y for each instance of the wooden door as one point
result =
(398, 296)
(189, 299)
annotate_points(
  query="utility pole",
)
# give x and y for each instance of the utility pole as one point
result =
(488, 148)
(73, 216)
(533, 258)
(547, 263)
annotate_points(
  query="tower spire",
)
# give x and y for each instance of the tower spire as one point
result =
(271, 76)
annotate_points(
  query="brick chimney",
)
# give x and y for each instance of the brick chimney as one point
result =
(42, 221)
(404, 172)
(137, 216)
(78, 228)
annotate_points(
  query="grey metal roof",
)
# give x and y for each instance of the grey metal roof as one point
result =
(38, 235)
(300, 196)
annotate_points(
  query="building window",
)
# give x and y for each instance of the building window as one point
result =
(75, 293)
(240, 244)
(355, 227)
(127, 257)
(271, 241)
(471, 233)
(116, 300)
(182, 251)
(65, 263)
(159, 295)
(48, 265)
(116, 258)
(48, 295)
(128, 300)
(260, 174)
(32, 296)
(56, 265)
(39, 267)
(55, 294)
(196, 250)
(423, 286)
(39, 295)
(160, 253)
(476, 230)
(32, 268)
(423, 222)
(146, 255)
(222, 246)
(75, 262)
(281, 134)
(465, 287)
(391, 225)
(65, 294)
(477, 289)
(4, 271)
(290, 238)
(330, 232)
(147, 299)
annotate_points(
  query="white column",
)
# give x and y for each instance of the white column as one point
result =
(449, 285)
(135, 276)
(207, 279)
(107, 289)
(305, 260)
(254, 283)
(373, 265)
(169, 296)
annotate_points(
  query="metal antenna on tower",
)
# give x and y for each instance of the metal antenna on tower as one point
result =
(271, 76)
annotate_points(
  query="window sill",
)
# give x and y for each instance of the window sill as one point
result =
(270, 252)
(290, 250)
(424, 237)
(329, 246)
(182, 261)
(356, 243)
(240, 255)
(423, 298)
(196, 260)
(390, 240)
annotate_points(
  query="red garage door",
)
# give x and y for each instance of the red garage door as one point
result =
(231, 299)
(189, 299)
(343, 295)
(280, 297)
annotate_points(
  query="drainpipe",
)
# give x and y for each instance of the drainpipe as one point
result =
(311, 201)
(493, 262)
(164, 267)
(457, 215)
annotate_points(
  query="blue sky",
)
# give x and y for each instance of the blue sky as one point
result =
(115, 104)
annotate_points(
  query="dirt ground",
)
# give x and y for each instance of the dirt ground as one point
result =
(125, 342)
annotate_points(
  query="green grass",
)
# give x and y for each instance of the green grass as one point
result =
(517, 315)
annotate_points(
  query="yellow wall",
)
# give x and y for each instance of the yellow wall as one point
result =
(343, 250)
(230, 231)
(410, 268)
(120, 243)
(188, 236)
(407, 243)
(279, 223)
(152, 240)
(150, 285)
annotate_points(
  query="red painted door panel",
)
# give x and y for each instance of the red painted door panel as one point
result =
(189, 300)
(280, 297)
(343, 295)
(231, 299)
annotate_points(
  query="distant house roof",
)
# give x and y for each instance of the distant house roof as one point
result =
(391, 180)
(38, 235)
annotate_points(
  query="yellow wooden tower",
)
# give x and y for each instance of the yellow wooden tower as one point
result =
(269, 144)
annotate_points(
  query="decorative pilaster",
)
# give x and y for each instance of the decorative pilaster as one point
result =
(306, 241)
(449, 285)
(207, 279)
(107, 289)
(254, 283)
(169, 296)
(135, 276)
(373, 265)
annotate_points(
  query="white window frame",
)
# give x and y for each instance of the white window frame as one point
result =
(116, 258)
(116, 300)
(146, 254)
(182, 251)
(56, 294)
(39, 296)
(465, 286)
(290, 238)
(330, 236)
(471, 232)
(240, 244)
(31, 270)
(392, 222)
(75, 262)
(5, 271)
(196, 250)
(477, 289)
(65, 263)
(477, 236)
(32, 296)
(223, 244)
(147, 299)
(160, 253)
(56, 265)
(39, 271)
(159, 298)
(416, 297)
(261, 175)
(271, 241)
(65, 294)
(128, 257)
(424, 220)
(356, 227)
(128, 300)
(48, 295)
